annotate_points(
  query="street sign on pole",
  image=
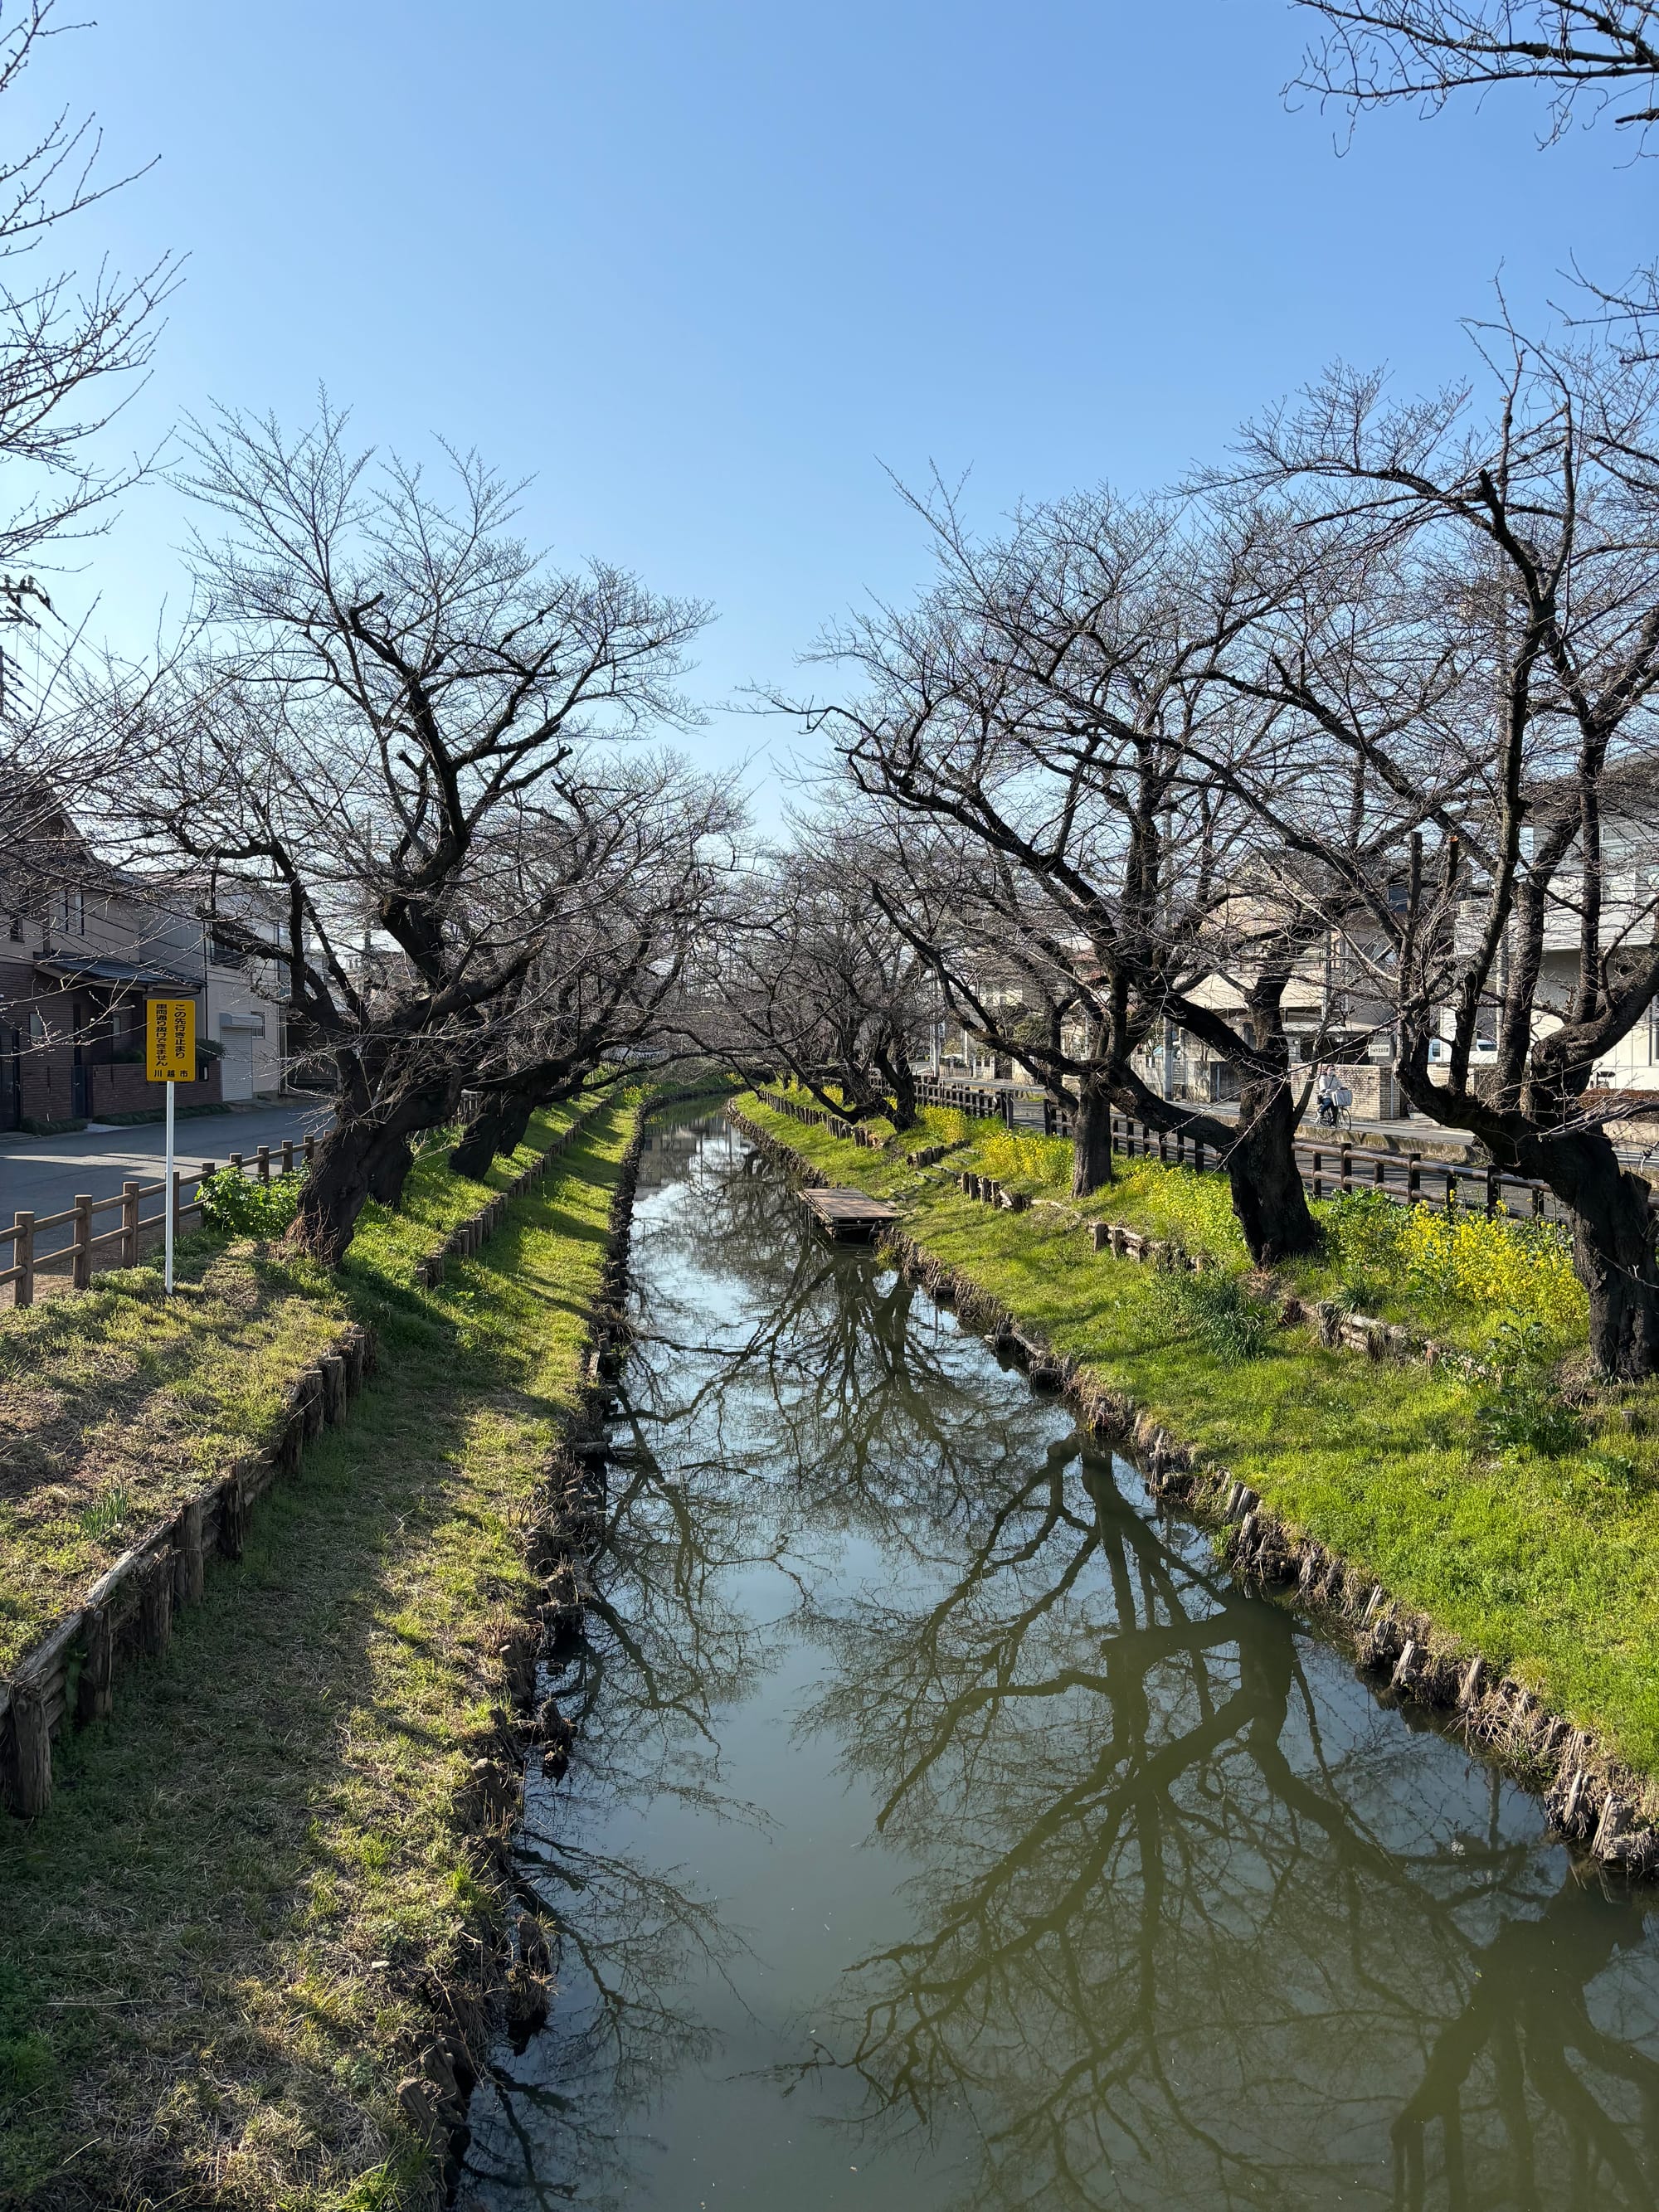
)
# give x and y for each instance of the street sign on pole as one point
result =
(170, 1040)
(169, 1058)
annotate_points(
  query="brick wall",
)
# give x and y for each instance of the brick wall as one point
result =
(124, 1088)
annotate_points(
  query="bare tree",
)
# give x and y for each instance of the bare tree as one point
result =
(1383, 50)
(389, 699)
(1040, 710)
(646, 860)
(813, 980)
(69, 345)
(1517, 909)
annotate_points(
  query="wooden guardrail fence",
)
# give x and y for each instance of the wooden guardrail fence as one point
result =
(1329, 1168)
(120, 1247)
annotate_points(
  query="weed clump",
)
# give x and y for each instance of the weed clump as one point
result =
(1524, 1409)
(239, 1207)
(1216, 1310)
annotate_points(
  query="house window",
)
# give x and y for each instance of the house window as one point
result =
(72, 911)
(37, 1026)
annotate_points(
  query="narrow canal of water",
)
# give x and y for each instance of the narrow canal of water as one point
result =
(945, 1830)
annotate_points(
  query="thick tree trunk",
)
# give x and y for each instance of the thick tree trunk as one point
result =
(1267, 1184)
(1613, 1251)
(389, 1173)
(335, 1191)
(904, 1096)
(356, 1159)
(1091, 1142)
(497, 1128)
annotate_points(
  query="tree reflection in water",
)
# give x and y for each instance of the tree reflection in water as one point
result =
(1190, 1919)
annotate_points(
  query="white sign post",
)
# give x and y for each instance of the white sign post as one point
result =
(169, 1058)
(167, 1193)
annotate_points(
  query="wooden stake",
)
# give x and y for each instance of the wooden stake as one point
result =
(32, 1745)
(94, 1695)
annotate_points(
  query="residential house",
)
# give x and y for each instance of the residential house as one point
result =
(82, 945)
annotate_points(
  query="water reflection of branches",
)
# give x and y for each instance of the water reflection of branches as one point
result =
(839, 1378)
(1151, 1880)
(626, 1936)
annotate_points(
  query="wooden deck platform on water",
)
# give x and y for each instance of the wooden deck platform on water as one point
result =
(847, 1214)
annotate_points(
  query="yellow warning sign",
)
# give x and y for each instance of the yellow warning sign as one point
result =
(170, 1040)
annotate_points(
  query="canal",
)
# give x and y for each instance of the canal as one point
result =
(945, 1829)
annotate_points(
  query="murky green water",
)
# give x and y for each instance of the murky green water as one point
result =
(947, 1831)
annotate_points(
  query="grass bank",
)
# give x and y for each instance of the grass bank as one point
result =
(221, 1945)
(1545, 1561)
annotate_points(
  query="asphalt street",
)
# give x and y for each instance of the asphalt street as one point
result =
(45, 1175)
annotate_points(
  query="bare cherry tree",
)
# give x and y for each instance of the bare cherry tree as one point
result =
(1040, 710)
(1515, 906)
(70, 344)
(388, 698)
(811, 980)
(646, 861)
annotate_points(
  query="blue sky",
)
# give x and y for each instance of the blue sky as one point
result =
(704, 268)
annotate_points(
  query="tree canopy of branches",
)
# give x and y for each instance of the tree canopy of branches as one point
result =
(1381, 50)
(1040, 712)
(67, 345)
(73, 347)
(1522, 548)
(813, 980)
(385, 723)
(645, 861)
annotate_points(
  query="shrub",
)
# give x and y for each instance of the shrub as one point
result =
(241, 1206)
(1520, 1269)
(1518, 1272)
(1217, 1311)
(1364, 1236)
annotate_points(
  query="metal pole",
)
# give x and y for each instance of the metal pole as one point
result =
(166, 1189)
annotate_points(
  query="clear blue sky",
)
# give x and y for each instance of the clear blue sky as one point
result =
(702, 267)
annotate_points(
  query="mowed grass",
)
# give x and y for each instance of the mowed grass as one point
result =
(1550, 1567)
(220, 1947)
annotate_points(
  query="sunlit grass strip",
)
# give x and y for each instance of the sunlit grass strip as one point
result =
(220, 1948)
(1549, 1567)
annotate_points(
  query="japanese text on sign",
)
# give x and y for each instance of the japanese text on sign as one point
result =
(170, 1040)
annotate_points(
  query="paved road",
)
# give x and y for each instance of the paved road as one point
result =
(45, 1175)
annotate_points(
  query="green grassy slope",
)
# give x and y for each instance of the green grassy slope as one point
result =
(219, 1946)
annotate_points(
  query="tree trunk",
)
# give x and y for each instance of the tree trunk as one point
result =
(904, 1095)
(1091, 1142)
(335, 1191)
(1613, 1251)
(355, 1157)
(1267, 1184)
(389, 1173)
(497, 1128)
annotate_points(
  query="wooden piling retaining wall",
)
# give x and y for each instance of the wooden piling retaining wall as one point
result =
(127, 1614)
